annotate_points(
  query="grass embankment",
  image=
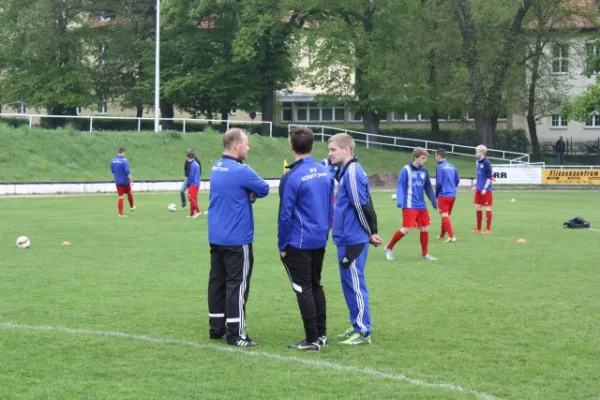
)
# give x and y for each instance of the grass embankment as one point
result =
(37, 155)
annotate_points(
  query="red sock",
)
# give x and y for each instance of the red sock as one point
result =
(488, 216)
(397, 236)
(479, 218)
(448, 226)
(130, 199)
(443, 231)
(424, 243)
(120, 205)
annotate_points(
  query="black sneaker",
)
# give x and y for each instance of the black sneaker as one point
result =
(241, 342)
(218, 337)
(304, 345)
(323, 341)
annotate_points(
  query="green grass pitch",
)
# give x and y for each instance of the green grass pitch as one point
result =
(122, 313)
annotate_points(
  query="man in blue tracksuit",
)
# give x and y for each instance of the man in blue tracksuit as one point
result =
(446, 182)
(305, 214)
(354, 227)
(333, 169)
(186, 171)
(233, 188)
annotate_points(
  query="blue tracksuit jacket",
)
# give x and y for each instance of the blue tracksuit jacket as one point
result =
(120, 169)
(446, 180)
(333, 169)
(230, 216)
(193, 174)
(306, 205)
(484, 172)
(412, 184)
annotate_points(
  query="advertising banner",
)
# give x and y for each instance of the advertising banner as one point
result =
(571, 177)
(517, 175)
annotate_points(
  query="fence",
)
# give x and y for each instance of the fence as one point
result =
(185, 121)
(375, 140)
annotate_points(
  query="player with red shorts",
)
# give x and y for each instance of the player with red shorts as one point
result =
(193, 184)
(446, 182)
(483, 190)
(413, 184)
(120, 169)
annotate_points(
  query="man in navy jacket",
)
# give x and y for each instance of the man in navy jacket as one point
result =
(233, 188)
(305, 215)
(446, 182)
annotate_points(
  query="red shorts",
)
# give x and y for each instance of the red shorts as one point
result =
(193, 191)
(124, 189)
(446, 204)
(483, 199)
(415, 218)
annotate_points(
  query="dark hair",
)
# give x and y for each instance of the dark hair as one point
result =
(231, 136)
(122, 150)
(302, 140)
(441, 153)
(191, 155)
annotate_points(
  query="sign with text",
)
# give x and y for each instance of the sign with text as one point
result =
(571, 177)
(517, 175)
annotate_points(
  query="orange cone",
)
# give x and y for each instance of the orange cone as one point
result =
(521, 240)
(66, 243)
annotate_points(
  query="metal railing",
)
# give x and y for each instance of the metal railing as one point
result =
(139, 120)
(371, 139)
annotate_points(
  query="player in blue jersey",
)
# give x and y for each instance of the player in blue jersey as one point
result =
(446, 182)
(483, 189)
(119, 167)
(413, 184)
(333, 169)
(354, 228)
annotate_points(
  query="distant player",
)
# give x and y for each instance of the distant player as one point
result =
(193, 184)
(120, 169)
(413, 183)
(446, 182)
(333, 169)
(483, 189)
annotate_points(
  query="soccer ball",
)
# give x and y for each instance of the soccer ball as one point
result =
(172, 207)
(23, 242)
(394, 197)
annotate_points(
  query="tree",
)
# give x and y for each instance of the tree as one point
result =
(491, 35)
(45, 62)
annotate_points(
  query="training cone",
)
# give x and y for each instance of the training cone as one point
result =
(66, 243)
(521, 240)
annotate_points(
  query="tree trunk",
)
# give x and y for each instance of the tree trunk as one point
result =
(139, 111)
(371, 121)
(435, 125)
(268, 108)
(61, 122)
(535, 143)
(485, 126)
(166, 111)
(224, 118)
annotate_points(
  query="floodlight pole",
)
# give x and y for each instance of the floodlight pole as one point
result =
(157, 70)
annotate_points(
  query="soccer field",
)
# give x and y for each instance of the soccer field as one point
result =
(122, 313)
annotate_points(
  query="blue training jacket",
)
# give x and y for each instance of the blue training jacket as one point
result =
(484, 172)
(333, 169)
(120, 169)
(354, 219)
(230, 216)
(446, 180)
(306, 205)
(413, 182)
(193, 174)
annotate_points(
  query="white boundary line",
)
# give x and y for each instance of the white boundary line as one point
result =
(236, 350)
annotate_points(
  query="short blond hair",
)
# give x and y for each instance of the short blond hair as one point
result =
(231, 136)
(343, 140)
(482, 149)
(418, 152)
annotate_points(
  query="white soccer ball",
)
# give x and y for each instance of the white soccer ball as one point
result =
(172, 207)
(394, 197)
(23, 242)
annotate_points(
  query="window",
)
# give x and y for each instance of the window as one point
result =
(313, 113)
(103, 108)
(355, 117)
(78, 110)
(560, 58)
(286, 112)
(21, 109)
(302, 112)
(558, 121)
(592, 60)
(594, 123)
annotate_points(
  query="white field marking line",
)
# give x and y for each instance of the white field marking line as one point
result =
(236, 350)
(594, 230)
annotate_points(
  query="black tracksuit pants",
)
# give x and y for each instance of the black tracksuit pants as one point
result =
(228, 288)
(304, 269)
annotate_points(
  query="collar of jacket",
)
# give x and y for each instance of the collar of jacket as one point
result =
(300, 161)
(232, 158)
(345, 167)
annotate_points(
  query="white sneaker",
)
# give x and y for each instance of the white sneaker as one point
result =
(389, 255)
(450, 240)
(196, 215)
(429, 258)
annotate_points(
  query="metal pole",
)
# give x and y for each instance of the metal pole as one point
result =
(157, 69)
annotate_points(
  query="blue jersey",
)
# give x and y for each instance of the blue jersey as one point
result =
(446, 180)
(333, 169)
(193, 174)
(484, 172)
(120, 169)
(413, 184)
(230, 216)
(306, 206)
(355, 219)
